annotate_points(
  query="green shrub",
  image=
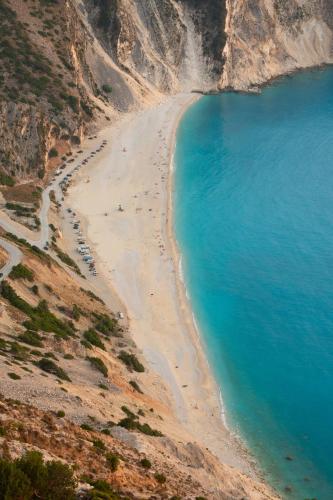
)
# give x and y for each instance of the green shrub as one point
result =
(99, 445)
(40, 317)
(76, 312)
(20, 210)
(128, 423)
(86, 344)
(131, 424)
(129, 413)
(45, 320)
(107, 88)
(146, 429)
(51, 481)
(112, 461)
(14, 484)
(53, 153)
(86, 427)
(50, 355)
(19, 351)
(9, 293)
(60, 414)
(49, 366)
(102, 491)
(99, 365)
(31, 338)
(135, 386)
(14, 376)
(93, 338)
(21, 272)
(68, 356)
(160, 478)
(103, 386)
(131, 361)
(105, 324)
(6, 180)
(35, 290)
(145, 463)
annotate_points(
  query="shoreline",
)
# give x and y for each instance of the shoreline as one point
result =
(129, 262)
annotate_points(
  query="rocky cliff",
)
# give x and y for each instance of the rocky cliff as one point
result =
(72, 64)
(268, 38)
(69, 64)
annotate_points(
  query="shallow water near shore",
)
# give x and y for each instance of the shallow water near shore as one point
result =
(253, 216)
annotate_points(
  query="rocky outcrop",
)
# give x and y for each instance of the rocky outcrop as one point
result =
(164, 45)
(268, 38)
(70, 64)
(46, 86)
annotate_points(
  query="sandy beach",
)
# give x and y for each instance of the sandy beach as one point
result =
(137, 255)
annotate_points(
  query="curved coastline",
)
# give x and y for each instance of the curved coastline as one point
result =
(236, 440)
(125, 253)
(177, 256)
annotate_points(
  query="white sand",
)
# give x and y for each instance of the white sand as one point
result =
(137, 254)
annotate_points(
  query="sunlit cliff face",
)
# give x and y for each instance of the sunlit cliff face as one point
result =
(267, 38)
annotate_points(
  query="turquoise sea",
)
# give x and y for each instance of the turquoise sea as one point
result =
(253, 215)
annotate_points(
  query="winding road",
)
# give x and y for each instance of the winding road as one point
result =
(40, 239)
(15, 257)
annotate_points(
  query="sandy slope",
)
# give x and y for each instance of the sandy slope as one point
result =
(136, 253)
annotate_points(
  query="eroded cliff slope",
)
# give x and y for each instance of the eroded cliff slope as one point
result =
(268, 38)
(71, 64)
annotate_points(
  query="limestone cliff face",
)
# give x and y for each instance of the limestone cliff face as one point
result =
(61, 59)
(268, 38)
(70, 64)
(163, 45)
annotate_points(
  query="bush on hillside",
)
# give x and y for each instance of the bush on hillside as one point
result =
(107, 88)
(105, 324)
(99, 365)
(21, 272)
(30, 478)
(102, 491)
(112, 461)
(135, 386)
(6, 180)
(160, 478)
(145, 463)
(31, 338)
(49, 366)
(93, 338)
(131, 361)
(53, 153)
(40, 318)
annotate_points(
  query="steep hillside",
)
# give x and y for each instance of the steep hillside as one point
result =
(268, 38)
(63, 351)
(72, 65)
(167, 44)
(43, 99)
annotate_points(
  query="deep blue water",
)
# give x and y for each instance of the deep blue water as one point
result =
(254, 221)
